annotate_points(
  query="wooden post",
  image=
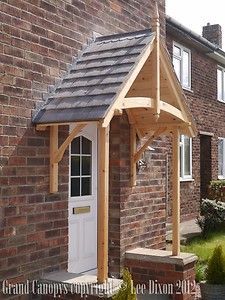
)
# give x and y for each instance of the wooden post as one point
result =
(133, 148)
(53, 165)
(176, 193)
(103, 203)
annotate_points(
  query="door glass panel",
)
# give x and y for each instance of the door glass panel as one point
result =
(75, 187)
(75, 146)
(86, 186)
(81, 167)
(86, 146)
(75, 165)
(86, 165)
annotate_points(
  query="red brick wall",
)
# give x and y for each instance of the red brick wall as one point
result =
(137, 215)
(182, 278)
(38, 41)
(209, 116)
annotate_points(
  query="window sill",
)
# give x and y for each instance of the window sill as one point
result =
(187, 89)
(221, 177)
(186, 179)
(221, 101)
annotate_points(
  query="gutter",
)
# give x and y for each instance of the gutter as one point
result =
(213, 50)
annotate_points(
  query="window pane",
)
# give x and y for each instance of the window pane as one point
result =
(223, 85)
(75, 187)
(219, 85)
(220, 157)
(177, 68)
(176, 51)
(86, 165)
(186, 77)
(86, 146)
(75, 165)
(75, 146)
(187, 156)
(86, 186)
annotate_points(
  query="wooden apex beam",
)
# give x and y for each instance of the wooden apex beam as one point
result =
(103, 203)
(148, 142)
(176, 193)
(59, 153)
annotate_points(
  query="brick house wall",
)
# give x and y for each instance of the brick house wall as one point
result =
(38, 42)
(208, 113)
(137, 215)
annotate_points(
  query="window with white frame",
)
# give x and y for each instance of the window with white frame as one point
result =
(185, 157)
(182, 64)
(221, 84)
(80, 167)
(221, 158)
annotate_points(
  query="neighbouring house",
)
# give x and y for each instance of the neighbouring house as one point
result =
(90, 103)
(199, 62)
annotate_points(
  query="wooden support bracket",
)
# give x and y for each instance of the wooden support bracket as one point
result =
(56, 153)
(157, 133)
(59, 153)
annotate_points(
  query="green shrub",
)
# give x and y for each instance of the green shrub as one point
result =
(217, 190)
(200, 270)
(127, 291)
(215, 273)
(212, 216)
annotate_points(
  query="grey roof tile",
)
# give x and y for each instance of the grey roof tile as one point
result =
(93, 82)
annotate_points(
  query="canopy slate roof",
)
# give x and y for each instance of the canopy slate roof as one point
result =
(94, 81)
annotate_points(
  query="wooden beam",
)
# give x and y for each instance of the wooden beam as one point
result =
(59, 153)
(137, 102)
(146, 102)
(172, 110)
(176, 193)
(157, 133)
(53, 164)
(103, 202)
(42, 127)
(133, 147)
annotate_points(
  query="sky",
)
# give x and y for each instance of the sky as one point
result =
(196, 13)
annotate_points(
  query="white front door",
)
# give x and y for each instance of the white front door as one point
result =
(83, 201)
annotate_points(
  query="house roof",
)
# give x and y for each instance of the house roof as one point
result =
(95, 80)
(195, 39)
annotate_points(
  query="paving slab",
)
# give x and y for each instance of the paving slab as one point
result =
(188, 229)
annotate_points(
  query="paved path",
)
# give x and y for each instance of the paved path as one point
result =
(153, 297)
(188, 230)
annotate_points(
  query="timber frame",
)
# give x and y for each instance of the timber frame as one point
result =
(155, 105)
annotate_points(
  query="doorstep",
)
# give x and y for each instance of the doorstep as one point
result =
(83, 283)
